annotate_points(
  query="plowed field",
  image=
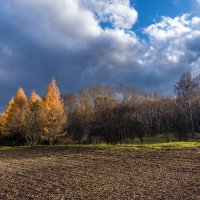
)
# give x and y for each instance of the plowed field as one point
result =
(99, 173)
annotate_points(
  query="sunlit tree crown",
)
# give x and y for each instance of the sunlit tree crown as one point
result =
(34, 98)
(9, 106)
(5, 116)
(52, 101)
(20, 96)
(52, 97)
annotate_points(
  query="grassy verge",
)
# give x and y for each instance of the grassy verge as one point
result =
(5, 147)
(151, 144)
(174, 145)
(171, 145)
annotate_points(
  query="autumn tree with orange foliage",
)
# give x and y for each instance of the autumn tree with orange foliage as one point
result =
(35, 119)
(55, 114)
(16, 116)
(4, 117)
(14, 122)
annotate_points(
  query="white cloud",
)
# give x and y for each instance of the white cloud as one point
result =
(117, 12)
(64, 22)
(170, 27)
(174, 46)
(69, 22)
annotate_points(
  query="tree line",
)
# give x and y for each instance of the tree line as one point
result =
(102, 114)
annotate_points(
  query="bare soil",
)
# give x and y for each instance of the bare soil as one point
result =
(99, 173)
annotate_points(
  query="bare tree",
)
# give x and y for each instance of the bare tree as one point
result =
(186, 90)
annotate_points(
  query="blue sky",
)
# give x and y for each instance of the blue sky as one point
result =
(150, 11)
(82, 43)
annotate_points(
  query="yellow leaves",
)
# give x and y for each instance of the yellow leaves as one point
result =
(46, 130)
(35, 102)
(55, 113)
(9, 107)
(14, 114)
(20, 97)
(45, 115)
(34, 98)
(52, 96)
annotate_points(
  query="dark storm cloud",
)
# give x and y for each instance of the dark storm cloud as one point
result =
(38, 42)
(41, 39)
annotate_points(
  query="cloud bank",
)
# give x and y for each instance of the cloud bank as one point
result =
(84, 44)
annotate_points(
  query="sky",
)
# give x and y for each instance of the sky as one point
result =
(82, 43)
